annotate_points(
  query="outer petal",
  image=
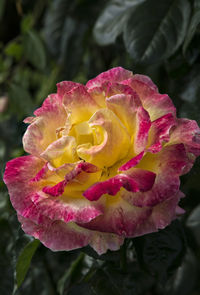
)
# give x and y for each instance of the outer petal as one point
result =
(111, 140)
(114, 75)
(59, 236)
(64, 87)
(42, 130)
(187, 132)
(29, 201)
(169, 164)
(160, 132)
(156, 104)
(119, 218)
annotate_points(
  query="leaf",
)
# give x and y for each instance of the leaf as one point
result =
(20, 100)
(111, 21)
(2, 7)
(70, 274)
(24, 260)
(14, 49)
(195, 21)
(160, 253)
(193, 223)
(184, 279)
(34, 49)
(64, 36)
(155, 29)
(6, 244)
(57, 25)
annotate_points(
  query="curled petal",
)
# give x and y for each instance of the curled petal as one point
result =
(117, 74)
(187, 132)
(134, 181)
(160, 132)
(79, 104)
(170, 163)
(143, 124)
(156, 104)
(111, 140)
(61, 151)
(59, 188)
(132, 162)
(42, 130)
(64, 87)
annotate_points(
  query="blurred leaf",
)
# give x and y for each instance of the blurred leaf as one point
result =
(24, 261)
(156, 29)
(161, 252)
(56, 26)
(7, 272)
(2, 7)
(108, 256)
(184, 279)
(193, 223)
(83, 289)
(34, 49)
(26, 23)
(14, 49)
(64, 37)
(111, 21)
(71, 274)
(195, 21)
(20, 100)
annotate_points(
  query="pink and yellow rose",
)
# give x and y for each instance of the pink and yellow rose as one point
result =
(104, 164)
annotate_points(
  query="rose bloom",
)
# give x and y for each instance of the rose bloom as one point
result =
(104, 163)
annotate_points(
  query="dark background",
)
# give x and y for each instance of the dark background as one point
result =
(43, 42)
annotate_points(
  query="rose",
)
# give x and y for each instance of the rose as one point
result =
(105, 163)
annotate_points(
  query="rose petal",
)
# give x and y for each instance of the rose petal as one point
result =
(59, 236)
(79, 104)
(156, 104)
(170, 163)
(42, 130)
(117, 74)
(159, 132)
(187, 132)
(61, 151)
(111, 143)
(134, 180)
(132, 162)
(143, 124)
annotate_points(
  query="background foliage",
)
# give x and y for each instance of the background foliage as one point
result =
(44, 42)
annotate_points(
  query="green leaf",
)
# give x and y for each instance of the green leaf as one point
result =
(161, 252)
(20, 100)
(193, 223)
(70, 274)
(111, 21)
(184, 279)
(34, 50)
(24, 261)
(14, 49)
(64, 37)
(195, 21)
(2, 7)
(156, 29)
(57, 25)
(6, 245)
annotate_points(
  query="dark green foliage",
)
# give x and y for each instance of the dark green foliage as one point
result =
(44, 42)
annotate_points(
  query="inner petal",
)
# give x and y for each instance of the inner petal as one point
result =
(111, 140)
